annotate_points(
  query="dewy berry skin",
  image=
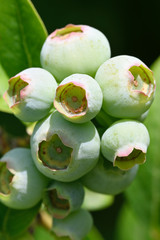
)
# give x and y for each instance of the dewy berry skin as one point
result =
(74, 49)
(125, 143)
(128, 86)
(22, 185)
(30, 94)
(62, 150)
(106, 179)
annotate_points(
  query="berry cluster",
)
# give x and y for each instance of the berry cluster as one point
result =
(89, 110)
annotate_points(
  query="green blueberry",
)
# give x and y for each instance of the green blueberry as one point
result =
(62, 150)
(78, 98)
(74, 49)
(106, 179)
(125, 143)
(128, 86)
(21, 184)
(31, 93)
(75, 226)
(63, 198)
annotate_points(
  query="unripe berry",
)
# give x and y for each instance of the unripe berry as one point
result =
(128, 86)
(31, 93)
(78, 98)
(75, 226)
(106, 179)
(63, 150)
(63, 198)
(125, 143)
(22, 185)
(74, 49)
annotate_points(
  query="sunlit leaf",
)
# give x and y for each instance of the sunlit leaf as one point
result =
(3, 87)
(22, 34)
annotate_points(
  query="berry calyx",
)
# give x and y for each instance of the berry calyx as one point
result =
(54, 154)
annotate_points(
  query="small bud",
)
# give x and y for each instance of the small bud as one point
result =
(125, 143)
(128, 86)
(78, 98)
(106, 179)
(74, 49)
(75, 226)
(63, 150)
(63, 198)
(30, 94)
(22, 185)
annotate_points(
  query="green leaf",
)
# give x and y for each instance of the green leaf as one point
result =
(41, 233)
(94, 234)
(22, 34)
(129, 226)
(3, 210)
(25, 236)
(3, 80)
(144, 193)
(14, 222)
(3, 87)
